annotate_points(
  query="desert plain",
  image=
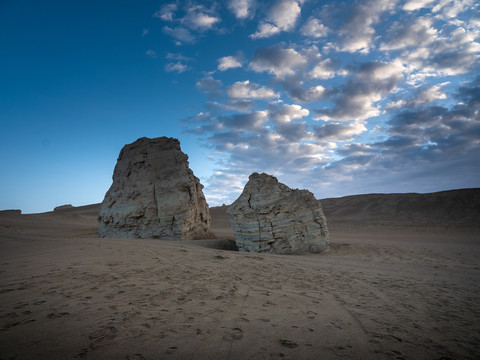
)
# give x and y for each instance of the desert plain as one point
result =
(400, 280)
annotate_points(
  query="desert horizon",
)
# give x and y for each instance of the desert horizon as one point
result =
(389, 287)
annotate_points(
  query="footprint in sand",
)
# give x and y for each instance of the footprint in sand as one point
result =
(171, 349)
(233, 334)
(107, 333)
(57, 315)
(288, 343)
(135, 357)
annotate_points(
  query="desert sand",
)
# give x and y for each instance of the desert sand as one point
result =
(393, 285)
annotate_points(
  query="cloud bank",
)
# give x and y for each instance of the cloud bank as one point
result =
(337, 97)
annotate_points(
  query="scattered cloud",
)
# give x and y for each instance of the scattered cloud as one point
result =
(176, 67)
(228, 62)
(282, 16)
(151, 53)
(422, 96)
(199, 18)
(313, 28)
(323, 70)
(406, 34)
(363, 94)
(356, 100)
(357, 32)
(190, 20)
(337, 132)
(178, 57)
(412, 5)
(249, 90)
(278, 61)
(180, 34)
(297, 91)
(242, 9)
(167, 12)
(285, 125)
(210, 86)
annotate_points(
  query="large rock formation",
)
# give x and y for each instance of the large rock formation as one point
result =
(154, 195)
(270, 217)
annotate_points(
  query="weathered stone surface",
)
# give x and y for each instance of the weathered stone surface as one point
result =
(270, 217)
(154, 195)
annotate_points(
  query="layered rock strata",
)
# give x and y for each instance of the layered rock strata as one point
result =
(270, 217)
(154, 195)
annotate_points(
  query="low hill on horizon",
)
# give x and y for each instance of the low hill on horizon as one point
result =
(459, 207)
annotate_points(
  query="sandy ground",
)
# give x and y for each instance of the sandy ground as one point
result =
(382, 291)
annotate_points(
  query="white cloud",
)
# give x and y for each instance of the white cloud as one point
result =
(286, 113)
(151, 53)
(176, 67)
(249, 90)
(314, 93)
(265, 30)
(251, 121)
(456, 52)
(178, 57)
(424, 95)
(412, 5)
(181, 34)
(282, 16)
(228, 62)
(376, 71)
(197, 18)
(210, 86)
(242, 9)
(289, 123)
(357, 99)
(314, 28)
(278, 61)
(406, 34)
(336, 132)
(450, 9)
(323, 70)
(240, 105)
(167, 12)
(358, 32)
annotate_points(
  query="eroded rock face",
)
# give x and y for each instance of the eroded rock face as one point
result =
(154, 195)
(270, 217)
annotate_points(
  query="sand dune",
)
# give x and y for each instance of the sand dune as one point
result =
(390, 287)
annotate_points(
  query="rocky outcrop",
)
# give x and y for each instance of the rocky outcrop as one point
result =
(154, 195)
(270, 217)
(11, 212)
(63, 207)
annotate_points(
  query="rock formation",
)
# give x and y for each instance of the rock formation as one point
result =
(270, 217)
(154, 195)
(63, 207)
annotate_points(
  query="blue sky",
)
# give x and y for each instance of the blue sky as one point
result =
(337, 97)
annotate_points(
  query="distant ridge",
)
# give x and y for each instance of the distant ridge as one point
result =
(453, 207)
(457, 208)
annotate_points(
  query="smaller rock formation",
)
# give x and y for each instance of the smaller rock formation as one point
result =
(154, 195)
(11, 212)
(270, 217)
(63, 207)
